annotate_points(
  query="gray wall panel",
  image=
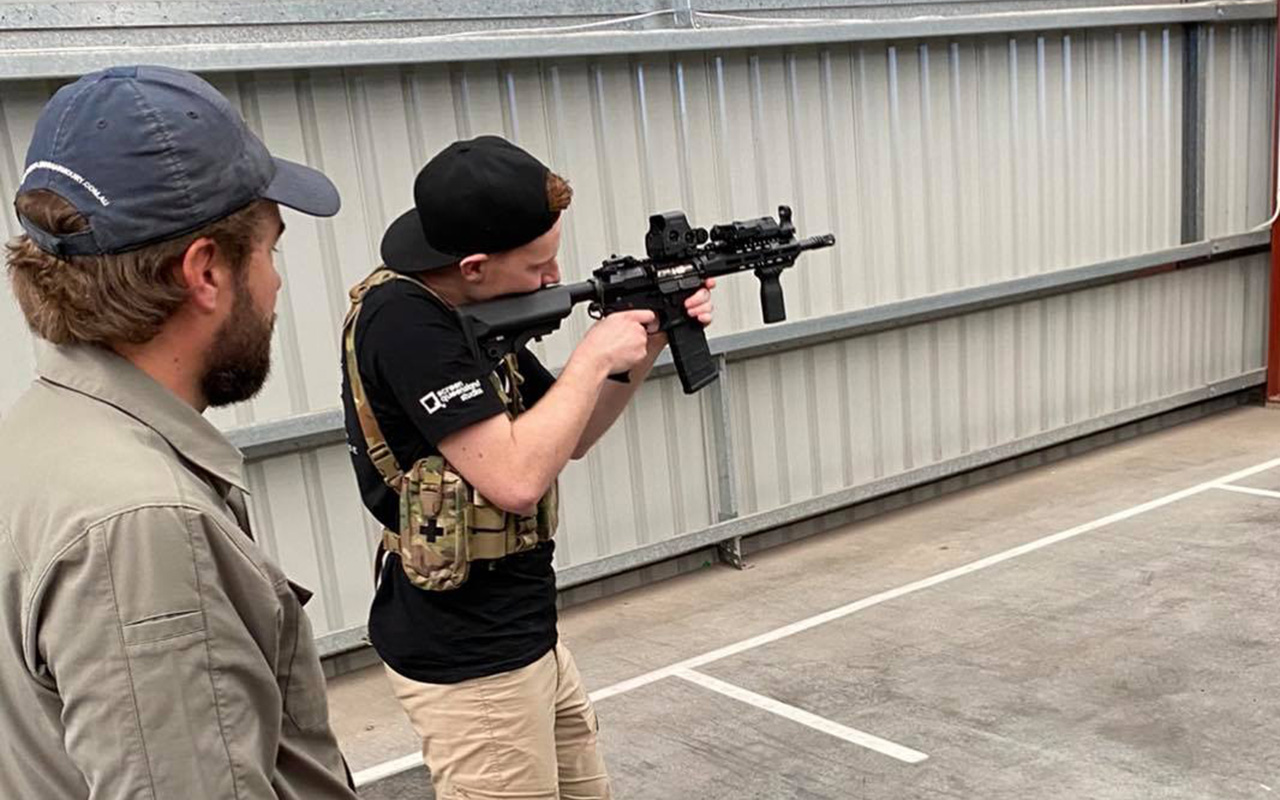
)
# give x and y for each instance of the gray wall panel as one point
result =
(939, 165)
(1240, 70)
(19, 104)
(937, 391)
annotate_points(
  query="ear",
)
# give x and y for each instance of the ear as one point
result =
(473, 267)
(205, 274)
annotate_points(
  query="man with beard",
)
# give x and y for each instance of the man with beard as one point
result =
(149, 647)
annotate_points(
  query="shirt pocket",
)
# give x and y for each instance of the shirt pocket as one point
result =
(298, 670)
(163, 627)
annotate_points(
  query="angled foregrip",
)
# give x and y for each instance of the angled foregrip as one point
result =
(691, 355)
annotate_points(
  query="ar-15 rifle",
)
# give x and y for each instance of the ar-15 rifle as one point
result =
(680, 259)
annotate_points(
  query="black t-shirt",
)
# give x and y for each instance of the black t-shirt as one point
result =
(423, 383)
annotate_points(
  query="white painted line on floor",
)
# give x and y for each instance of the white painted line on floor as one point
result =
(1249, 490)
(892, 594)
(861, 738)
(867, 602)
(387, 768)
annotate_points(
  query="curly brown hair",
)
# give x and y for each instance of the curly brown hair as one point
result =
(121, 297)
(559, 192)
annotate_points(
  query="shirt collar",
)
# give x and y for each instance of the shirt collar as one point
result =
(106, 376)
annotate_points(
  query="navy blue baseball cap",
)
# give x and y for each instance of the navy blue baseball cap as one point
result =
(148, 154)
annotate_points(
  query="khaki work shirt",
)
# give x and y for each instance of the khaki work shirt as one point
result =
(150, 649)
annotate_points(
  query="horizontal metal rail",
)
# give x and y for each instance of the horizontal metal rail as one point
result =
(790, 336)
(494, 15)
(575, 575)
(309, 431)
(63, 15)
(39, 40)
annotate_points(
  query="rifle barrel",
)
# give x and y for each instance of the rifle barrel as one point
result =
(816, 242)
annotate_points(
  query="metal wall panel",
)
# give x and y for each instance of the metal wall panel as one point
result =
(1239, 73)
(858, 410)
(938, 164)
(19, 104)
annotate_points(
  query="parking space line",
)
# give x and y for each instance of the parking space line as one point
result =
(387, 769)
(1249, 490)
(800, 626)
(925, 583)
(853, 735)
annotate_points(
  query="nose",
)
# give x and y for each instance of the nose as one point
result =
(552, 274)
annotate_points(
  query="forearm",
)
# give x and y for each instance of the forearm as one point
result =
(615, 396)
(513, 463)
(545, 437)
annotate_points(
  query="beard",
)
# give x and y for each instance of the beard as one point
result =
(240, 358)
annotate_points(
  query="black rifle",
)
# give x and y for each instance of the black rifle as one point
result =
(680, 259)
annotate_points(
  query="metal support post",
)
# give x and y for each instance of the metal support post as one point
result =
(1193, 133)
(683, 13)
(1273, 331)
(730, 550)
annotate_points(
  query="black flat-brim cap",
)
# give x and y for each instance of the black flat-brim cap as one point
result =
(482, 195)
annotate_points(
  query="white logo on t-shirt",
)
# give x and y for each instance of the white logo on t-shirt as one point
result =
(434, 401)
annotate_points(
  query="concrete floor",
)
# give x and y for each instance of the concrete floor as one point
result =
(1135, 658)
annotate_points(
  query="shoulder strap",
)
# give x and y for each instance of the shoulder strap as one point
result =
(510, 397)
(379, 453)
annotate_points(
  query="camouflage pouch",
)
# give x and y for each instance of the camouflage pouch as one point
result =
(445, 524)
(548, 518)
(434, 537)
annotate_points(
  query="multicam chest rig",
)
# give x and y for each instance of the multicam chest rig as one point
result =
(445, 524)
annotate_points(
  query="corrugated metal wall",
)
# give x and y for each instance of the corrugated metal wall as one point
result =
(937, 164)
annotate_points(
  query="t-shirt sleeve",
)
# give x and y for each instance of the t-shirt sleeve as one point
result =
(418, 354)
